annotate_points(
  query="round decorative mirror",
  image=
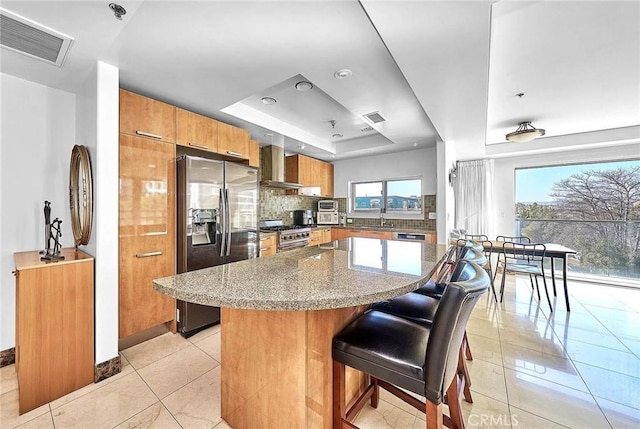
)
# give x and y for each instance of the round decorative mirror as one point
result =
(81, 195)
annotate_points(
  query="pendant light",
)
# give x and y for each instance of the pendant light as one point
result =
(525, 133)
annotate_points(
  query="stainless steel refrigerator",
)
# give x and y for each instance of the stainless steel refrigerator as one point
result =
(217, 224)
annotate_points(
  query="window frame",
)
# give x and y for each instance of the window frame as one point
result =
(376, 212)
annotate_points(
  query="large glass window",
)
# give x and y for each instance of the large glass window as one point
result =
(393, 196)
(591, 208)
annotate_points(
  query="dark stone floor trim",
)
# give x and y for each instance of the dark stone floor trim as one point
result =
(107, 369)
(7, 357)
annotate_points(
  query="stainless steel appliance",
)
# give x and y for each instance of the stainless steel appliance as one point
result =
(302, 217)
(289, 237)
(217, 224)
(327, 218)
(327, 206)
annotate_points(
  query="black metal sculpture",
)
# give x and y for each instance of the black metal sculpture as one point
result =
(52, 231)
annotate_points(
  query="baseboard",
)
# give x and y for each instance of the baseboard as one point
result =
(142, 336)
(7, 357)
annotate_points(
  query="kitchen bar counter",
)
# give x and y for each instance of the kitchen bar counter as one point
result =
(312, 278)
(276, 365)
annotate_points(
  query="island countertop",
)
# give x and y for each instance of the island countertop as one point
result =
(344, 273)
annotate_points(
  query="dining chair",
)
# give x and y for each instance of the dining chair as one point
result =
(525, 258)
(398, 354)
(509, 239)
(485, 245)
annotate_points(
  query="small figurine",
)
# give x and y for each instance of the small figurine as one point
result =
(55, 232)
(47, 227)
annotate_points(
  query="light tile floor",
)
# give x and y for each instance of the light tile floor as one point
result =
(531, 369)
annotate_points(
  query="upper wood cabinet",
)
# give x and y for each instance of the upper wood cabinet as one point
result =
(254, 153)
(233, 141)
(326, 173)
(147, 117)
(196, 131)
(310, 172)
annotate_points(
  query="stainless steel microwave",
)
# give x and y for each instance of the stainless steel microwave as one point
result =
(327, 206)
(327, 218)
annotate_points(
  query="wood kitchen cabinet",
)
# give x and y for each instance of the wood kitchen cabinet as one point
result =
(309, 172)
(146, 117)
(146, 232)
(54, 326)
(340, 233)
(267, 245)
(254, 153)
(196, 131)
(326, 175)
(319, 235)
(233, 141)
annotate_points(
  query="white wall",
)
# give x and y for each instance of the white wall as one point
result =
(504, 214)
(37, 136)
(421, 162)
(97, 128)
(445, 201)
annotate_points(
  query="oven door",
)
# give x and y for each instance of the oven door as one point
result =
(292, 246)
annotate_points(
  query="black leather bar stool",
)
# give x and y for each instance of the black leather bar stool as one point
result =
(421, 309)
(399, 354)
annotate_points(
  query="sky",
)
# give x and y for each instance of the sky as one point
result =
(535, 184)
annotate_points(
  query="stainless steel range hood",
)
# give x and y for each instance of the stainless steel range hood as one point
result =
(272, 166)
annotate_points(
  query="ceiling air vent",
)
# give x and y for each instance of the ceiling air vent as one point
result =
(374, 117)
(32, 39)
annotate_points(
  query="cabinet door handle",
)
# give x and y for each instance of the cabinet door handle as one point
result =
(262, 249)
(232, 153)
(148, 254)
(153, 136)
(199, 146)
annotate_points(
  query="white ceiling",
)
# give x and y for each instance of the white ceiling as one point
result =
(434, 69)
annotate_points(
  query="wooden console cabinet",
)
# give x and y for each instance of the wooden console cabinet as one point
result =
(54, 326)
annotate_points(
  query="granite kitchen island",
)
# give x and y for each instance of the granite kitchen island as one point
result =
(280, 313)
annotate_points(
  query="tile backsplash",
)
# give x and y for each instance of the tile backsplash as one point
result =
(429, 204)
(276, 204)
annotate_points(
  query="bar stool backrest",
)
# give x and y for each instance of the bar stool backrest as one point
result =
(449, 324)
(528, 252)
(473, 255)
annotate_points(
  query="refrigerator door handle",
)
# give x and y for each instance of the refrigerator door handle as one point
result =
(223, 221)
(228, 220)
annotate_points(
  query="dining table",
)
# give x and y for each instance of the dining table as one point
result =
(553, 251)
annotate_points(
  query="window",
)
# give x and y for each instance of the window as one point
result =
(401, 197)
(591, 208)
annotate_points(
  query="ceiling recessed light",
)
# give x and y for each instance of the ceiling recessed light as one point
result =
(300, 146)
(415, 144)
(268, 135)
(337, 136)
(304, 86)
(269, 100)
(366, 129)
(343, 74)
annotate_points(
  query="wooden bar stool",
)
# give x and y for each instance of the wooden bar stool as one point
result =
(399, 354)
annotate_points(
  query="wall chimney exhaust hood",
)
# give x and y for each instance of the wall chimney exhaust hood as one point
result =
(272, 166)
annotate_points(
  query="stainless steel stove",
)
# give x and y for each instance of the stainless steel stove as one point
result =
(289, 237)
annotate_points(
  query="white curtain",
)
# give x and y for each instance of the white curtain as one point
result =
(473, 190)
